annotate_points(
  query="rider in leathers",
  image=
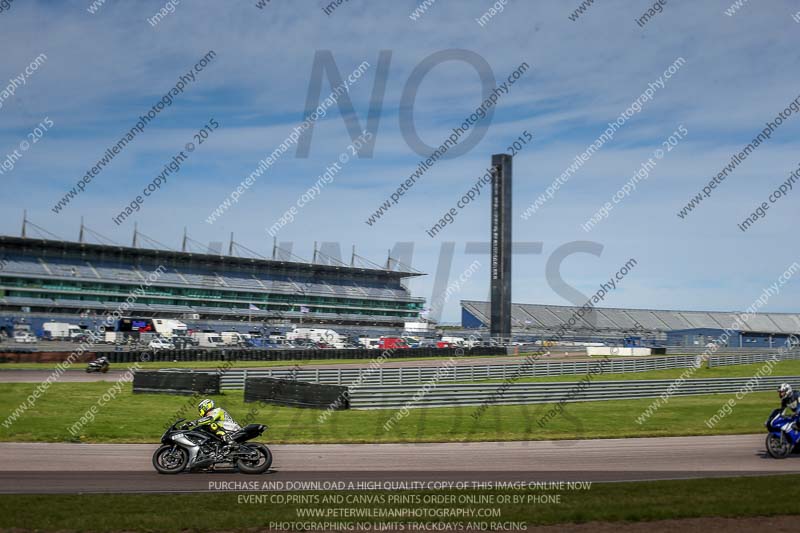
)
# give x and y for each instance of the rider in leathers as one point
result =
(218, 420)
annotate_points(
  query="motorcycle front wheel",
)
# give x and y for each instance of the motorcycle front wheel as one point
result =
(778, 447)
(255, 466)
(170, 459)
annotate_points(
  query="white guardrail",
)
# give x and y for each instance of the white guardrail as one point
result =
(470, 394)
(233, 379)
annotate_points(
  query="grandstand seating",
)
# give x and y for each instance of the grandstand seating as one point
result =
(540, 314)
(700, 320)
(761, 322)
(63, 273)
(787, 323)
(619, 317)
(107, 271)
(647, 319)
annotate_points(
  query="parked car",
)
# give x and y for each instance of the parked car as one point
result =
(412, 342)
(161, 344)
(83, 337)
(24, 336)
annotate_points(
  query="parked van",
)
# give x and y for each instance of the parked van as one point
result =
(232, 338)
(369, 343)
(208, 339)
(392, 343)
(60, 331)
(317, 335)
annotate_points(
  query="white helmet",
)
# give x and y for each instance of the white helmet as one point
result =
(785, 390)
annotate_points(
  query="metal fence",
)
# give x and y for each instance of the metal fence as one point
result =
(752, 358)
(233, 379)
(472, 394)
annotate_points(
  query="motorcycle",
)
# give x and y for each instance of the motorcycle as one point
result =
(194, 449)
(782, 437)
(98, 365)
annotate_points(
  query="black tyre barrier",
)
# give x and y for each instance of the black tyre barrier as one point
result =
(176, 382)
(295, 393)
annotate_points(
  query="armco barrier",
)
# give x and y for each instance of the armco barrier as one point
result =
(176, 382)
(295, 393)
(724, 350)
(234, 379)
(750, 358)
(255, 354)
(450, 395)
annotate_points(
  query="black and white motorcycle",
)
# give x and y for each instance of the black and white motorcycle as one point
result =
(98, 365)
(186, 449)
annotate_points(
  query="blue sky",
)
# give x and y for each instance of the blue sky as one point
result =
(105, 69)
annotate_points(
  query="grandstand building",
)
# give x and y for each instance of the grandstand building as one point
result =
(43, 279)
(674, 328)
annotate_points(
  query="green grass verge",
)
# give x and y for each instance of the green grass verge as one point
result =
(610, 502)
(141, 418)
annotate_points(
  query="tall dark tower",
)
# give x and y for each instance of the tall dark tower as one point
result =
(501, 247)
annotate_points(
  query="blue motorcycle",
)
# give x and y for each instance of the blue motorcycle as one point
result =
(783, 435)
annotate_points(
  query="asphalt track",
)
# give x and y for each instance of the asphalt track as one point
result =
(90, 468)
(80, 376)
(70, 376)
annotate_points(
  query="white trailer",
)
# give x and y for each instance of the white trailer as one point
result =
(168, 328)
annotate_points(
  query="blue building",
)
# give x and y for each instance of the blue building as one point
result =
(655, 327)
(700, 337)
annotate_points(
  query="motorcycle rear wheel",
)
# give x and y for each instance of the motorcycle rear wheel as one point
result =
(257, 467)
(778, 447)
(176, 459)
